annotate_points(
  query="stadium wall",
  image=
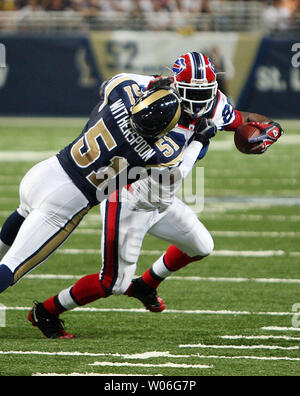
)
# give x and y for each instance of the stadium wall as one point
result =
(60, 75)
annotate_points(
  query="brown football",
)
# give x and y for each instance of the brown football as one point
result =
(241, 136)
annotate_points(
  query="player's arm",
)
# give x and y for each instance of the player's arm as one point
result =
(158, 190)
(160, 82)
(203, 132)
(270, 130)
(254, 117)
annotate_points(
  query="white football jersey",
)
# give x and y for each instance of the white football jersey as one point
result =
(146, 194)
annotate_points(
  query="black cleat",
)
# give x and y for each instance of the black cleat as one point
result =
(147, 295)
(50, 325)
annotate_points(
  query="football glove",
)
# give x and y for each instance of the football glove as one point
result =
(204, 130)
(160, 83)
(270, 133)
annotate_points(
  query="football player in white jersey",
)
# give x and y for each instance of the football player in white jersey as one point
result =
(126, 221)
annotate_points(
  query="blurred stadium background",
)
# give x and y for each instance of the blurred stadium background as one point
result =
(59, 51)
(237, 305)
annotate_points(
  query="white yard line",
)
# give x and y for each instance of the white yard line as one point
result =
(250, 234)
(222, 253)
(148, 365)
(176, 278)
(5, 213)
(149, 355)
(267, 347)
(283, 358)
(21, 122)
(261, 337)
(227, 234)
(89, 375)
(167, 311)
(295, 254)
(53, 277)
(25, 156)
(88, 231)
(248, 253)
(278, 328)
(239, 201)
(245, 217)
(234, 280)
(143, 356)
(146, 355)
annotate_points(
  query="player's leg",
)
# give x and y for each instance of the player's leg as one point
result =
(123, 233)
(9, 232)
(14, 222)
(56, 208)
(45, 315)
(191, 242)
(122, 237)
(122, 243)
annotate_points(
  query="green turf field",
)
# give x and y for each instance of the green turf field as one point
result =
(230, 314)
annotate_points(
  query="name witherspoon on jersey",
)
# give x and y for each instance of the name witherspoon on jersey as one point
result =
(140, 145)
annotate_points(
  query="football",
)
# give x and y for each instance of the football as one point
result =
(241, 136)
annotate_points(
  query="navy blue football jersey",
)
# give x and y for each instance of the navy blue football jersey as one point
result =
(108, 154)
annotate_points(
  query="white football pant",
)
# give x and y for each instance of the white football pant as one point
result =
(53, 207)
(124, 229)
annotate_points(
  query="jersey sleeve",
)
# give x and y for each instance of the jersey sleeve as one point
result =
(141, 80)
(122, 86)
(168, 153)
(224, 113)
(236, 123)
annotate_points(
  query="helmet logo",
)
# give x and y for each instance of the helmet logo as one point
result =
(211, 66)
(179, 66)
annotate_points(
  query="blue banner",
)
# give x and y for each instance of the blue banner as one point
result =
(48, 76)
(273, 86)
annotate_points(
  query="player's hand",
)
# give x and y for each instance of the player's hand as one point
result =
(204, 130)
(160, 83)
(270, 133)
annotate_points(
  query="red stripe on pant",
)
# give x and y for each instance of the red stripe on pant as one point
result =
(111, 240)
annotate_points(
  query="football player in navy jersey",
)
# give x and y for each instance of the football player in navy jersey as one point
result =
(146, 208)
(56, 194)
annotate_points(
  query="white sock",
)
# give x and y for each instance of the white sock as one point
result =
(3, 249)
(160, 269)
(66, 300)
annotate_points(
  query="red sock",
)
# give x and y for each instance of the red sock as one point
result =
(51, 306)
(175, 259)
(151, 279)
(88, 289)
